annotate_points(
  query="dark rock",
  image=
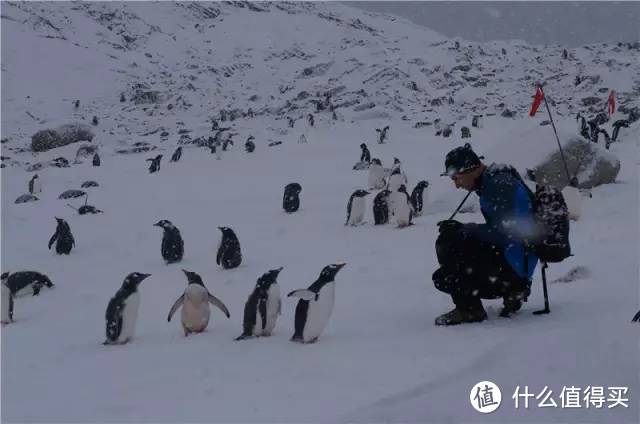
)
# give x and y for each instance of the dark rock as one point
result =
(61, 136)
(588, 101)
(506, 113)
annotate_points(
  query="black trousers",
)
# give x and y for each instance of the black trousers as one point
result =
(471, 269)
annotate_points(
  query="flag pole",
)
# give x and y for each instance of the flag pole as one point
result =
(566, 168)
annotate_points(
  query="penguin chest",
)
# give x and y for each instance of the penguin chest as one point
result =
(195, 309)
(402, 211)
(7, 311)
(395, 181)
(319, 312)
(357, 211)
(36, 186)
(376, 176)
(129, 317)
(273, 305)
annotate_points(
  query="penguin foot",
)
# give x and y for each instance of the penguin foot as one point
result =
(243, 337)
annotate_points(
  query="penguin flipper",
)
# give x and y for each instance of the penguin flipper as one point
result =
(636, 318)
(304, 294)
(53, 239)
(217, 302)
(175, 306)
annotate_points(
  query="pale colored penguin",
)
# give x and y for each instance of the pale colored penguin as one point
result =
(195, 305)
(402, 208)
(397, 177)
(376, 175)
(356, 207)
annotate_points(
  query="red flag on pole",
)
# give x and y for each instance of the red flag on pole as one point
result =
(536, 101)
(611, 103)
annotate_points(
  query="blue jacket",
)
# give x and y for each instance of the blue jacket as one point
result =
(508, 211)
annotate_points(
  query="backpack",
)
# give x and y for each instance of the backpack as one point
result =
(552, 216)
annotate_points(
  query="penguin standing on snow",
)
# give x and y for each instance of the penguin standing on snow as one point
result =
(175, 157)
(418, 196)
(366, 155)
(263, 307)
(229, 254)
(7, 300)
(22, 279)
(382, 134)
(34, 185)
(195, 305)
(381, 208)
(172, 247)
(397, 177)
(249, 145)
(315, 305)
(62, 237)
(376, 175)
(355, 207)
(96, 160)
(291, 199)
(402, 209)
(122, 310)
(155, 164)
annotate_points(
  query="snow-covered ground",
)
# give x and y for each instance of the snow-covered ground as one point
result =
(380, 359)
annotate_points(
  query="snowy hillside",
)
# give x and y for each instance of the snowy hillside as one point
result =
(380, 359)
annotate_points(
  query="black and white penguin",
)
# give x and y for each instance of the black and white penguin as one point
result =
(20, 280)
(96, 160)
(250, 145)
(381, 208)
(35, 185)
(94, 121)
(195, 305)
(418, 196)
(155, 164)
(172, 247)
(263, 306)
(63, 238)
(229, 254)
(376, 178)
(122, 310)
(616, 128)
(310, 120)
(382, 134)
(366, 155)
(291, 121)
(227, 143)
(397, 177)
(315, 305)
(175, 157)
(402, 209)
(291, 199)
(7, 300)
(356, 207)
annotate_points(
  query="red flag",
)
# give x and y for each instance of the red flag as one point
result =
(611, 103)
(536, 101)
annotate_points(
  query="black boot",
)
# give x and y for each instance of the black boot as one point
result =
(466, 311)
(512, 301)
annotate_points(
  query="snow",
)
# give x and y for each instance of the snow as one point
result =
(380, 358)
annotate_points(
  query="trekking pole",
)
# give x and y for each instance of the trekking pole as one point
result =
(553, 125)
(459, 206)
(546, 309)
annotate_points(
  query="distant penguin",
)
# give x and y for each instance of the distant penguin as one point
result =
(76, 104)
(155, 164)
(62, 237)
(315, 306)
(35, 186)
(226, 143)
(96, 160)
(382, 134)
(397, 177)
(366, 155)
(291, 121)
(172, 247)
(402, 209)
(195, 305)
(94, 121)
(356, 207)
(376, 175)
(291, 199)
(249, 145)
(229, 254)
(263, 307)
(20, 280)
(175, 157)
(7, 301)
(122, 310)
(418, 196)
(616, 128)
(310, 120)
(381, 208)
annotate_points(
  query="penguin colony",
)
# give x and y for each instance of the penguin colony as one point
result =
(264, 305)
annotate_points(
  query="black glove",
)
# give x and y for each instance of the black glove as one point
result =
(449, 225)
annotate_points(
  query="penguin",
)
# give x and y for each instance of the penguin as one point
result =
(355, 207)
(291, 121)
(215, 148)
(175, 157)
(7, 301)
(402, 209)
(76, 104)
(63, 238)
(229, 254)
(172, 247)
(376, 175)
(226, 143)
(122, 98)
(195, 305)
(122, 310)
(311, 120)
(366, 155)
(397, 177)
(96, 160)
(381, 207)
(35, 185)
(22, 279)
(263, 307)
(315, 305)
(382, 134)
(249, 145)
(155, 164)
(607, 139)
(616, 128)
(94, 121)
(418, 196)
(291, 199)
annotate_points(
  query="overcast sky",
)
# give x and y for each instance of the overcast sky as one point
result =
(566, 23)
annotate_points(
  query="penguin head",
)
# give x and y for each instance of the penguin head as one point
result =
(193, 278)
(396, 161)
(132, 280)
(268, 278)
(363, 146)
(376, 161)
(158, 157)
(226, 231)
(60, 221)
(360, 193)
(164, 223)
(329, 272)
(4, 276)
(422, 184)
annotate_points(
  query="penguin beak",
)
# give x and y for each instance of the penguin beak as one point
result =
(340, 265)
(145, 276)
(279, 269)
(157, 224)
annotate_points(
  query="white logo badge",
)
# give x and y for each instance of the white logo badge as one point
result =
(485, 397)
